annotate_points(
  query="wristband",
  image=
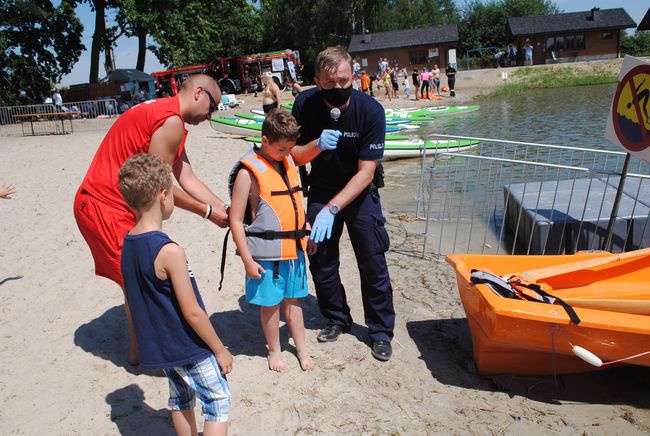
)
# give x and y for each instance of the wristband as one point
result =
(208, 212)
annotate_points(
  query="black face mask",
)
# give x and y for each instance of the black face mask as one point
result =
(337, 96)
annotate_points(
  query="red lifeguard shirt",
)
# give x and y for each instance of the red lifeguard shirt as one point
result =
(129, 135)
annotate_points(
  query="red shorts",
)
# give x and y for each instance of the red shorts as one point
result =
(104, 228)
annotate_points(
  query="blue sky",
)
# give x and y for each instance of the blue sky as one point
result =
(126, 50)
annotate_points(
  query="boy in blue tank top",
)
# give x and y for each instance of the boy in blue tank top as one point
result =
(267, 219)
(172, 329)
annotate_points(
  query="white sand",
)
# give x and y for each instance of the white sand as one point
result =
(64, 340)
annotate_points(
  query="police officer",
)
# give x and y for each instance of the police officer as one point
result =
(344, 147)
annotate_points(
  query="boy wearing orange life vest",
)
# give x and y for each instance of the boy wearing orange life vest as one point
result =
(267, 220)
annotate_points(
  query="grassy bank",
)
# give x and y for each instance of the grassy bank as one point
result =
(524, 78)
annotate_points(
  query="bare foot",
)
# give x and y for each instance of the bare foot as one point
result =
(275, 361)
(306, 362)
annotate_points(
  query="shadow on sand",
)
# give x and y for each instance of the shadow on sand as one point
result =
(240, 329)
(445, 346)
(107, 336)
(134, 417)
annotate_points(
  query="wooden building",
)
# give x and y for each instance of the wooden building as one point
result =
(411, 48)
(570, 37)
(645, 22)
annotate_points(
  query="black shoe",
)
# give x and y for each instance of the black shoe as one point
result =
(331, 333)
(382, 350)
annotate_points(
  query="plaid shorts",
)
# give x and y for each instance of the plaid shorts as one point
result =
(204, 379)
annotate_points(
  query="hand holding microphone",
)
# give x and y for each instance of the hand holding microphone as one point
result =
(328, 140)
(329, 137)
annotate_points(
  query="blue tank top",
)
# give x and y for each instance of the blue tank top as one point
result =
(165, 339)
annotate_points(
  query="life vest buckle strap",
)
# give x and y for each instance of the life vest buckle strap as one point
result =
(269, 235)
(289, 191)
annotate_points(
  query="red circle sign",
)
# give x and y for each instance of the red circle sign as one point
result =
(631, 109)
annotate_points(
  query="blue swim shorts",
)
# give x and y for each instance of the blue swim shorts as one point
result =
(202, 379)
(291, 282)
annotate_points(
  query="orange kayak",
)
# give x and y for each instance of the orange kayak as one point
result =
(609, 295)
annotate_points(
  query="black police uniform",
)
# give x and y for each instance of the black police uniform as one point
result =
(363, 125)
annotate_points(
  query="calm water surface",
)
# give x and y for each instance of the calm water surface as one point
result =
(564, 116)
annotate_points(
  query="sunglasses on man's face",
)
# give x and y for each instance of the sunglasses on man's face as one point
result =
(213, 104)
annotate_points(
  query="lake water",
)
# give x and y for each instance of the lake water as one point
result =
(467, 206)
(563, 116)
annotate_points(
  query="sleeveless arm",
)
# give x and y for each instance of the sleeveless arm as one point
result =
(276, 94)
(172, 259)
(167, 139)
(194, 195)
(240, 193)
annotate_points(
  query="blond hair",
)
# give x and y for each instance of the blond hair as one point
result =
(142, 177)
(330, 59)
(280, 125)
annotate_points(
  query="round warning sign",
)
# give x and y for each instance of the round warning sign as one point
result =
(631, 109)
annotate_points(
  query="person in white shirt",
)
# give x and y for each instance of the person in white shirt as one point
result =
(57, 100)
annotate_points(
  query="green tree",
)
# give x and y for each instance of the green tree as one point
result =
(136, 18)
(637, 44)
(103, 37)
(486, 24)
(39, 44)
(193, 31)
(311, 25)
(411, 14)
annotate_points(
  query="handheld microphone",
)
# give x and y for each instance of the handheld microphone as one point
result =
(335, 114)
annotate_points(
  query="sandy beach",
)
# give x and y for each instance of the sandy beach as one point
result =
(64, 338)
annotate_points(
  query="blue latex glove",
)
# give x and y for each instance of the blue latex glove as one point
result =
(328, 139)
(322, 228)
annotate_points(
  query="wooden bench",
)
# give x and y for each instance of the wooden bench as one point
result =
(47, 116)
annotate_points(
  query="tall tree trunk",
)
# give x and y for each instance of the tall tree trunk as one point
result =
(142, 47)
(98, 39)
(109, 62)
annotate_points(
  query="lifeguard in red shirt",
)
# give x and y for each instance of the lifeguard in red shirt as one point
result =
(156, 127)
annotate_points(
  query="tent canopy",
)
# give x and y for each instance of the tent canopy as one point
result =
(124, 75)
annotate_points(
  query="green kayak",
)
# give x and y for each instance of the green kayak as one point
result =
(247, 127)
(399, 148)
(421, 114)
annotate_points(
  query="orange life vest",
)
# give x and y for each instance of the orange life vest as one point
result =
(277, 231)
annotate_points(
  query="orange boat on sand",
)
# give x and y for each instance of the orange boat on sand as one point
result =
(519, 310)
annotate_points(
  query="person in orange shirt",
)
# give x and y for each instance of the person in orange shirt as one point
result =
(365, 82)
(156, 127)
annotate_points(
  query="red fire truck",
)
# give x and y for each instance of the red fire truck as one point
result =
(235, 74)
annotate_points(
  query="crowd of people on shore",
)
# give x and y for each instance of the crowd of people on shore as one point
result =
(426, 84)
(511, 57)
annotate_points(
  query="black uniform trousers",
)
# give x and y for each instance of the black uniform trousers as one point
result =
(366, 228)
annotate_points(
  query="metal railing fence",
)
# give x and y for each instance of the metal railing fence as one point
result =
(84, 115)
(529, 198)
